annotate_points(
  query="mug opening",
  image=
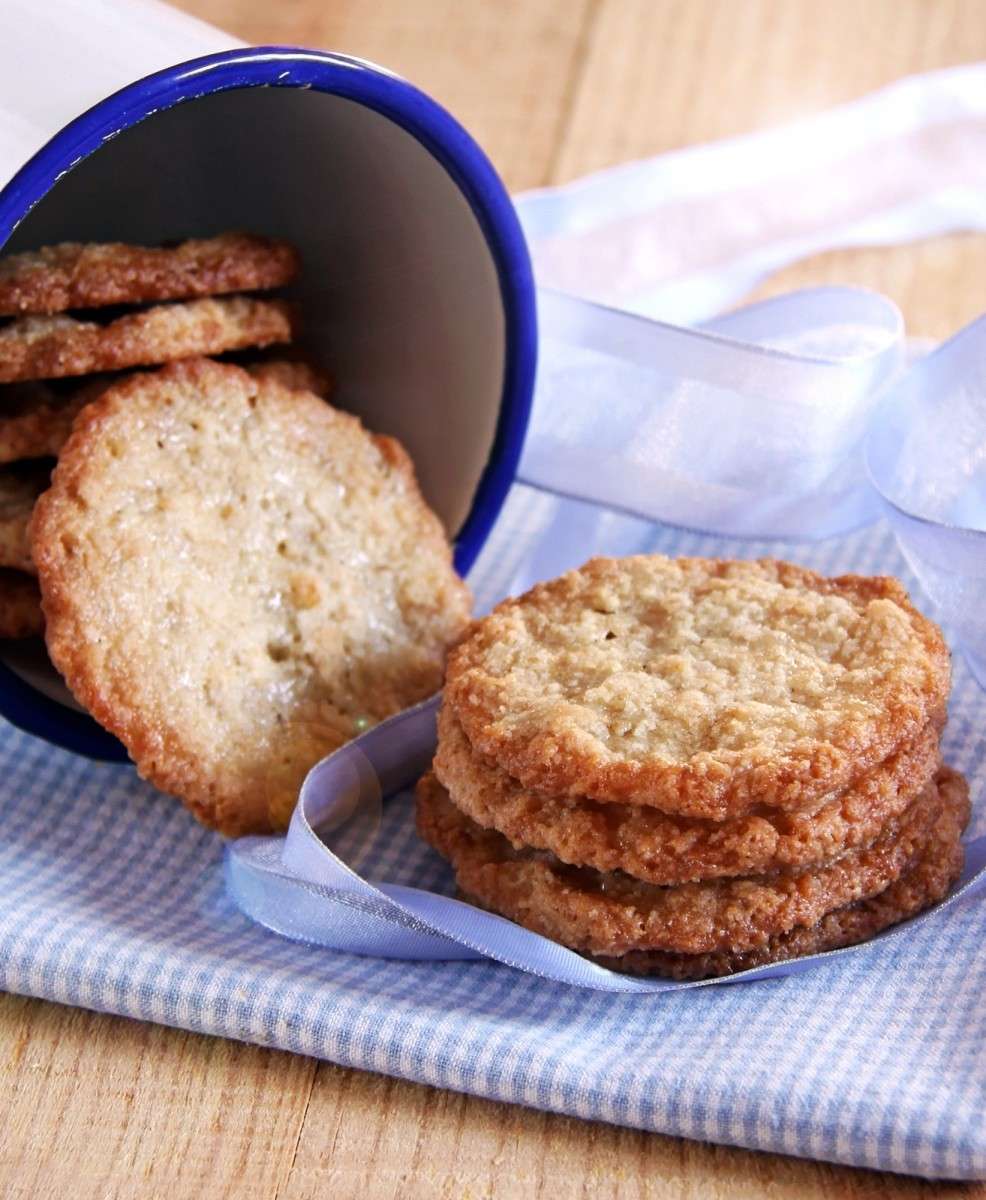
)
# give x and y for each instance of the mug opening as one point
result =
(416, 286)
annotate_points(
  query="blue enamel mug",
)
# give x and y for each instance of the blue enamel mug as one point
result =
(416, 284)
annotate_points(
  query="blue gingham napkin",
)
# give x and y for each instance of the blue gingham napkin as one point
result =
(112, 899)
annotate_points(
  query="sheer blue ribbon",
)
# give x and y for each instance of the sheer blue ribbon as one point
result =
(751, 426)
(927, 460)
(759, 424)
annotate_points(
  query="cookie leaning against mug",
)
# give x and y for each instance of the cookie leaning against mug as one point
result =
(237, 578)
(79, 275)
(703, 687)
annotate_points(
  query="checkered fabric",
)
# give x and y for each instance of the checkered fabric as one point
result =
(112, 898)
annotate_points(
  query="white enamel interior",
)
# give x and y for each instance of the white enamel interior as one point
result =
(399, 291)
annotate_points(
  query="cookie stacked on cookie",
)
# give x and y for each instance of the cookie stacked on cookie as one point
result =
(65, 336)
(690, 767)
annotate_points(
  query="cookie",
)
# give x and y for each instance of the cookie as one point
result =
(20, 486)
(20, 605)
(611, 914)
(925, 883)
(664, 849)
(237, 579)
(73, 275)
(295, 374)
(701, 687)
(53, 347)
(36, 417)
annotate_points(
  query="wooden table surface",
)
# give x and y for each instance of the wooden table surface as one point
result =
(104, 1107)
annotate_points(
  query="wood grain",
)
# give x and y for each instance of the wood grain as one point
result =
(95, 1106)
(505, 68)
(657, 76)
(382, 1139)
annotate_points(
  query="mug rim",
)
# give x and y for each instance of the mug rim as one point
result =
(434, 128)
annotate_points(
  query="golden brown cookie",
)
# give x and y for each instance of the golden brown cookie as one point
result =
(53, 347)
(611, 914)
(237, 578)
(36, 417)
(73, 275)
(665, 849)
(20, 605)
(925, 883)
(20, 486)
(699, 686)
(295, 374)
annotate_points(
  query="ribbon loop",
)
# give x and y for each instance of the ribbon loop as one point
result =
(927, 459)
(750, 426)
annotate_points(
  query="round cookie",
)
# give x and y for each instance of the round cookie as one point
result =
(237, 579)
(54, 347)
(74, 275)
(925, 883)
(20, 605)
(702, 687)
(664, 849)
(610, 913)
(20, 486)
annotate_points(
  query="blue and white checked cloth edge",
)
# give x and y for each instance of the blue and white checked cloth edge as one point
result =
(877, 1060)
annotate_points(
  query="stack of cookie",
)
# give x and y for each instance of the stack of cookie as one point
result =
(691, 767)
(63, 328)
(235, 577)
